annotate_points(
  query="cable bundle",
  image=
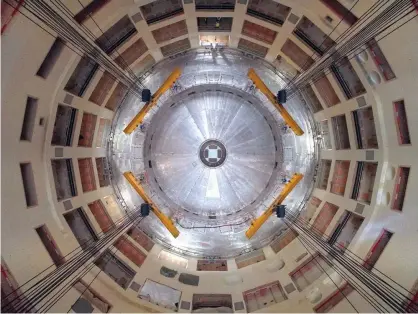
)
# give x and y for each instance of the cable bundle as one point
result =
(382, 294)
(58, 282)
(349, 44)
(80, 38)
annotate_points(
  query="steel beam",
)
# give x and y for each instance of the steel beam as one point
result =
(291, 123)
(257, 223)
(167, 222)
(137, 120)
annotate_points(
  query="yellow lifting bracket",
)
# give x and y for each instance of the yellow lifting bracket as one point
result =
(266, 91)
(167, 222)
(137, 120)
(257, 223)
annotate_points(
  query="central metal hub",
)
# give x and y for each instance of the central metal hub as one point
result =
(212, 153)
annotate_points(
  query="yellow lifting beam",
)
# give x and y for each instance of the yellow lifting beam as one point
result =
(137, 120)
(266, 91)
(167, 222)
(257, 223)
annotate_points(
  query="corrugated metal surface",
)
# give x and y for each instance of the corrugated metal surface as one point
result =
(268, 10)
(339, 178)
(175, 47)
(204, 77)
(264, 296)
(212, 265)
(88, 125)
(141, 238)
(101, 216)
(143, 65)
(258, 32)
(252, 48)
(170, 31)
(118, 94)
(130, 55)
(325, 217)
(102, 132)
(297, 55)
(116, 35)
(326, 91)
(215, 5)
(159, 10)
(282, 241)
(102, 88)
(88, 182)
(130, 251)
(250, 259)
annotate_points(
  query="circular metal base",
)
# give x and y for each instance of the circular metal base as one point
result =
(212, 153)
(214, 102)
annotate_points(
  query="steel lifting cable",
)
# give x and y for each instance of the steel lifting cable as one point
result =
(76, 255)
(363, 280)
(323, 41)
(127, 67)
(343, 273)
(362, 20)
(80, 53)
(67, 287)
(55, 283)
(64, 9)
(360, 272)
(381, 23)
(350, 254)
(53, 302)
(373, 30)
(70, 264)
(89, 33)
(76, 45)
(131, 82)
(72, 48)
(326, 60)
(76, 266)
(58, 269)
(64, 271)
(76, 39)
(58, 294)
(76, 49)
(327, 71)
(57, 298)
(351, 45)
(349, 31)
(317, 233)
(56, 22)
(64, 290)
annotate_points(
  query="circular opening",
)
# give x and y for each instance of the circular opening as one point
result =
(387, 198)
(374, 78)
(212, 153)
(363, 57)
(390, 174)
